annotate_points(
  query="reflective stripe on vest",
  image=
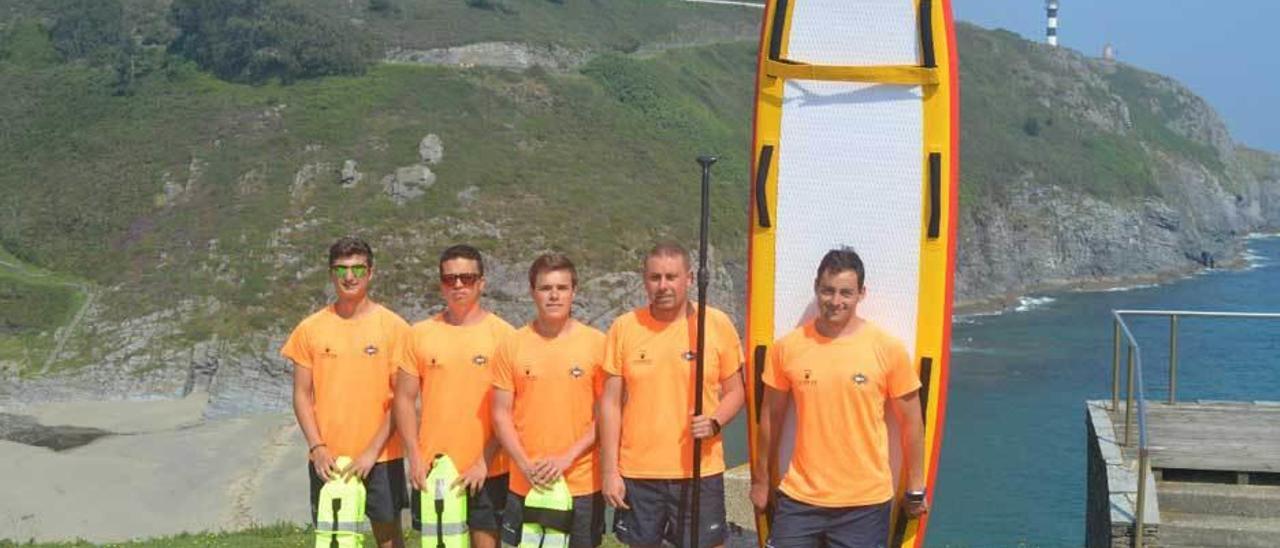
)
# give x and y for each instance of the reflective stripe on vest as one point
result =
(445, 528)
(339, 527)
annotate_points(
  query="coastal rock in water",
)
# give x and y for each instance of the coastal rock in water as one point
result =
(408, 183)
(431, 149)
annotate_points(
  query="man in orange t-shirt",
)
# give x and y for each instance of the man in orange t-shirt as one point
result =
(447, 359)
(840, 370)
(646, 436)
(546, 379)
(342, 389)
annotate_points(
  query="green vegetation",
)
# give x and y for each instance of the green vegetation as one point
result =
(261, 537)
(1152, 103)
(177, 188)
(616, 25)
(265, 537)
(134, 168)
(89, 28)
(260, 40)
(34, 303)
(1010, 136)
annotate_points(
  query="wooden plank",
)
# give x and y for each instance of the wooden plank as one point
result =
(1220, 436)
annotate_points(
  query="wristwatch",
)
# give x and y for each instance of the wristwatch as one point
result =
(715, 426)
(915, 496)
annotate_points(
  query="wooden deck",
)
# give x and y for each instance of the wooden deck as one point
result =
(1237, 437)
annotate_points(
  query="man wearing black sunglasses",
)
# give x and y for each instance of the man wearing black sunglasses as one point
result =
(447, 363)
(343, 358)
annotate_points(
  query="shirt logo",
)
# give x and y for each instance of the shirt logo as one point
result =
(434, 364)
(528, 373)
(689, 355)
(479, 360)
(808, 379)
(642, 357)
(859, 378)
(370, 350)
(575, 371)
(329, 353)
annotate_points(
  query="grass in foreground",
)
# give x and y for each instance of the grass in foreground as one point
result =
(267, 536)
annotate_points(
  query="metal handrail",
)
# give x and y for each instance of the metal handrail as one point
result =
(1134, 378)
(1173, 316)
(1135, 391)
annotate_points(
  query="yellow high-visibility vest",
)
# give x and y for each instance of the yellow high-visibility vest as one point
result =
(548, 517)
(443, 507)
(340, 511)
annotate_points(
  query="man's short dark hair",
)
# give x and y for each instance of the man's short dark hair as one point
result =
(840, 260)
(349, 246)
(461, 251)
(551, 262)
(668, 249)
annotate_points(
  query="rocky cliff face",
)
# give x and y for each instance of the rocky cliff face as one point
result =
(1184, 195)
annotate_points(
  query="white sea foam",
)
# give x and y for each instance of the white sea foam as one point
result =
(1129, 288)
(1254, 260)
(975, 317)
(1031, 303)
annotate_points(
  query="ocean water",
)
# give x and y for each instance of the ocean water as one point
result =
(1012, 466)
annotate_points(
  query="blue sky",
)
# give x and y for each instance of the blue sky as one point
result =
(1224, 51)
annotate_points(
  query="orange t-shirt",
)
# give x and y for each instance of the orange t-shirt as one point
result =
(454, 366)
(657, 364)
(353, 372)
(840, 387)
(554, 384)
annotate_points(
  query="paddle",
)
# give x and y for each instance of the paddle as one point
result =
(704, 228)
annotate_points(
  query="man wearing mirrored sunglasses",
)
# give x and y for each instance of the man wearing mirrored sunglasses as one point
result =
(447, 362)
(343, 357)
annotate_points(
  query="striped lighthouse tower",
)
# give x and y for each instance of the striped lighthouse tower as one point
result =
(1051, 31)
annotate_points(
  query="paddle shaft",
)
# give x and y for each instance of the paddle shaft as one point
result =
(703, 229)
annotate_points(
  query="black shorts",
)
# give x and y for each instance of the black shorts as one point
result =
(588, 520)
(660, 510)
(800, 525)
(386, 492)
(484, 511)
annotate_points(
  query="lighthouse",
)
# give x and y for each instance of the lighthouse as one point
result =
(1051, 30)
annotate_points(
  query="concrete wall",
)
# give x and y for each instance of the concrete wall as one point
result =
(1111, 500)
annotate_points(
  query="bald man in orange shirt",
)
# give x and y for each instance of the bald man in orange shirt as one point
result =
(646, 410)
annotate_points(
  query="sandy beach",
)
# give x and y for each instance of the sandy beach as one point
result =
(161, 470)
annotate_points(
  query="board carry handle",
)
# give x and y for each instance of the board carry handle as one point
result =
(925, 17)
(758, 366)
(762, 179)
(935, 195)
(924, 74)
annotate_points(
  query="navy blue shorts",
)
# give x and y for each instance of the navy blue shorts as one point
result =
(385, 491)
(800, 525)
(588, 520)
(484, 510)
(660, 511)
